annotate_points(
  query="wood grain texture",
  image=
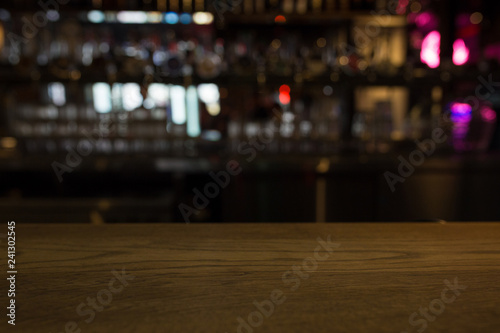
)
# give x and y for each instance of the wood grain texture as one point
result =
(202, 277)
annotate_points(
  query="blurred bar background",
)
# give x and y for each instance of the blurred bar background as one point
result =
(120, 110)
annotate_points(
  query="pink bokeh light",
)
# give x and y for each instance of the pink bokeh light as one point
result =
(431, 49)
(425, 21)
(460, 52)
(402, 4)
(488, 114)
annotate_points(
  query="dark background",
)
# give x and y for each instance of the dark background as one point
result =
(302, 178)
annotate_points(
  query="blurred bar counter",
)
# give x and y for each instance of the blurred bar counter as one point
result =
(280, 188)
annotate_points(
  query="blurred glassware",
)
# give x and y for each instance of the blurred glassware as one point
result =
(472, 129)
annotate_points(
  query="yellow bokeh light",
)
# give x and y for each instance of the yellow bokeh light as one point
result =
(323, 165)
(213, 109)
(203, 18)
(415, 7)
(8, 142)
(476, 18)
(344, 60)
(362, 65)
(321, 42)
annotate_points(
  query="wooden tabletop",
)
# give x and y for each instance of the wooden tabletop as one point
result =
(246, 278)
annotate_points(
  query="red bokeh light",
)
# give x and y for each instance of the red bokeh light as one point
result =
(285, 89)
(280, 19)
(284, 98)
